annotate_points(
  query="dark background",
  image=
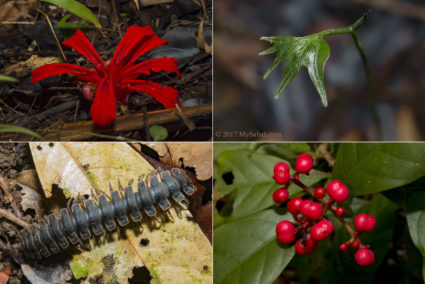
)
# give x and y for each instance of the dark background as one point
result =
(394, 41)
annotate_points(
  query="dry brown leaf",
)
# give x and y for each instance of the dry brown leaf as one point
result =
(24, 68)
(177, 252)
(12, 10)
(196, 155)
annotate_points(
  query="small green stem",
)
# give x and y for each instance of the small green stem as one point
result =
(352, 30)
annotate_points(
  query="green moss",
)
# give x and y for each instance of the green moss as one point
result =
(112, 280)
(66, 192)
(79, 269)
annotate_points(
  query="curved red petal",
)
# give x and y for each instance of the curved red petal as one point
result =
(136, 42)
(163, 94)
(132, 34)
(49, 70)
(156, 65)
(80, 43)
(103, 107)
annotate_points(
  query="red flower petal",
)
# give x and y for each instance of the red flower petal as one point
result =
(103, 107)
(165, 95)
(136, 42)
(49, 70)
(156, 65)
(80, 43)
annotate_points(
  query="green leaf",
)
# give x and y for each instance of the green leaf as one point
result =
(247, 251)
(6, 78)
(158, 132)
(374, 167)
(7, 128)
(416, 224)
(310, 51)
(288, 151)
(343, 267)
(68, 29)
(253, 182)
(77, 9)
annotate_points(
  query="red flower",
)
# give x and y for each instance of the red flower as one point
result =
(114, 81)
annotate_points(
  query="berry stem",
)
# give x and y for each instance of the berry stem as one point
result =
(328, 206)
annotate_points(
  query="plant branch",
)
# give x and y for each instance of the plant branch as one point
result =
(371, 91)
(328, 204)
(352, 30)
(347, 30)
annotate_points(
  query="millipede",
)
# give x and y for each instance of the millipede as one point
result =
(54, 233)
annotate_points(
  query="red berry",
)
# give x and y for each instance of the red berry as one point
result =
(304, 163)
(343, 247)
(356, 244)
(337, 191)
(321, 230)
(339, 211)
(301, 249)
(311, 210)
(364, 257)
(281, 173)
(319, 192)
(365, 222)
(280, 196)
(285, 232)
(309, 241)
(294, 205)
(348, 243)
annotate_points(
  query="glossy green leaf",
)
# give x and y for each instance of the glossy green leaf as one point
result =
(247, 251)
(6, 78)
(374, 167)
(310, 51)
(253, 182)
(7, 128)
(342, 267)
(77, 9)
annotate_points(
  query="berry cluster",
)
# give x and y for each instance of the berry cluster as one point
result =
(311, 227)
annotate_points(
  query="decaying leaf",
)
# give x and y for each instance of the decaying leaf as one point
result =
(32, 195)
(177, 252)
(196, 155)
(25, 68)
(41, 274)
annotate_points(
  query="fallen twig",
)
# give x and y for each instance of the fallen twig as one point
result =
(9, 216)
(84, 130)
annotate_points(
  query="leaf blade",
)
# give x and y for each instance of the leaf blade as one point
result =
(316, 69)
(369, 168)
(77, 9)
(8, 128)
(258, 255)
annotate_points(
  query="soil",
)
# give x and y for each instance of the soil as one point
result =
(55, 102)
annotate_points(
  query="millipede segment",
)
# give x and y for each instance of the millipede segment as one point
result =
(54, 233)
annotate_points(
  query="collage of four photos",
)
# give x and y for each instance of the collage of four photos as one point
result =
(212, 141)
